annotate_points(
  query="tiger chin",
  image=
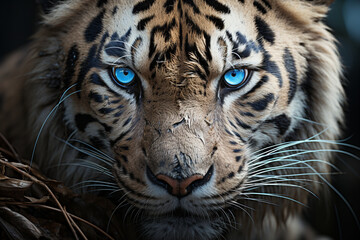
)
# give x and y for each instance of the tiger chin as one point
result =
(210, 119)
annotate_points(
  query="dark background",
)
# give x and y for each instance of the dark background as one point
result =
(18, 20)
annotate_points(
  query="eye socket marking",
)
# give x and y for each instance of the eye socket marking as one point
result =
(236, 78)
(232, 79)
(123, 76)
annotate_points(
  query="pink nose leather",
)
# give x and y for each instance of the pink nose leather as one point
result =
(179, 187)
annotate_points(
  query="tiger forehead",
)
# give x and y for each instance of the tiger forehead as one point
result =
(182, 36)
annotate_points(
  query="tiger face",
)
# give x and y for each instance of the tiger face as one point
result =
(195, 109)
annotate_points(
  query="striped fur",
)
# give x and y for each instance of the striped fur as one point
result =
(269, 143)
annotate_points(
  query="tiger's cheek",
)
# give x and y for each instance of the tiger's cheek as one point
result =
(230, 162)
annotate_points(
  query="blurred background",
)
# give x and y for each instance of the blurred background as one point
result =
(335, 218)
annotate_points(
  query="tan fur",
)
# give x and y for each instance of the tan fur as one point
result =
(178, 94)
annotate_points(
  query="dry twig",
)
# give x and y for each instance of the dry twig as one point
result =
(35, 180)
(21, 202)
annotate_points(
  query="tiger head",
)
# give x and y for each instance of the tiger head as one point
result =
(204, 114)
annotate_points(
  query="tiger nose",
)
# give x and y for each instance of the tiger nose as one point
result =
(183, 186)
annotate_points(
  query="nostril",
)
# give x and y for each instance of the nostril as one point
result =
(202, 181)
(180, 187)
(157, 181)
(173, 184)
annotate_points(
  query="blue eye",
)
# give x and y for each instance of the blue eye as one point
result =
(236, 78)
(123, 76)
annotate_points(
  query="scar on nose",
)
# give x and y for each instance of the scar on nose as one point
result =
(175, 125)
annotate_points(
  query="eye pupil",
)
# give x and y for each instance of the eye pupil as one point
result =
(123, 76)
(235, 78)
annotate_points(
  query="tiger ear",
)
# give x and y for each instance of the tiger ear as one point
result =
(47, 5)
(321, 2)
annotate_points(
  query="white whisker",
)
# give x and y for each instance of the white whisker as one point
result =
(53, 111)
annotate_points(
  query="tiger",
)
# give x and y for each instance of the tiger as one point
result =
(212, 119)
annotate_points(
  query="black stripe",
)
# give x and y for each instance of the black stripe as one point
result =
(143, 22)
(120, 137)
(262, 104)
(169, 52)
(192, 25)
(218, 22)
(180, 8)
(218, 6)
(106, 110)
(260, 7)
(264, 30)
(124, 147)
(230, 192)
(229, 35)
(247, 114)
(207, 46)
(118, 114)
(228, 132)
(116, 47)
(101, 46)
(180, 36)
(242, 124)
(160, 58)
(232, 124)
(82, 120)
(267, 3)
(258, 85)
(97, 143)
(192, 4)
(96, 79)
(169, 5)
(101, 3)
(96, 97)
(154, 61)
(114, 11)
(244, 53)
(95, 27)
(192, 49)
(239, 136)
(90, 62)
(165, 30)
(115, 102)
(143, 6)
(282, 123)
(292, 73)
(129, 189)
(127, 121)
(106, 127)
(240, 38)
(272, 67)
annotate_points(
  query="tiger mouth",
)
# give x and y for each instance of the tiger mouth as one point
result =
(181, 213)
(183, 216)
(181, 224)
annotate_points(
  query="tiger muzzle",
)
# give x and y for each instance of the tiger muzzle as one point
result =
(180, 187)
